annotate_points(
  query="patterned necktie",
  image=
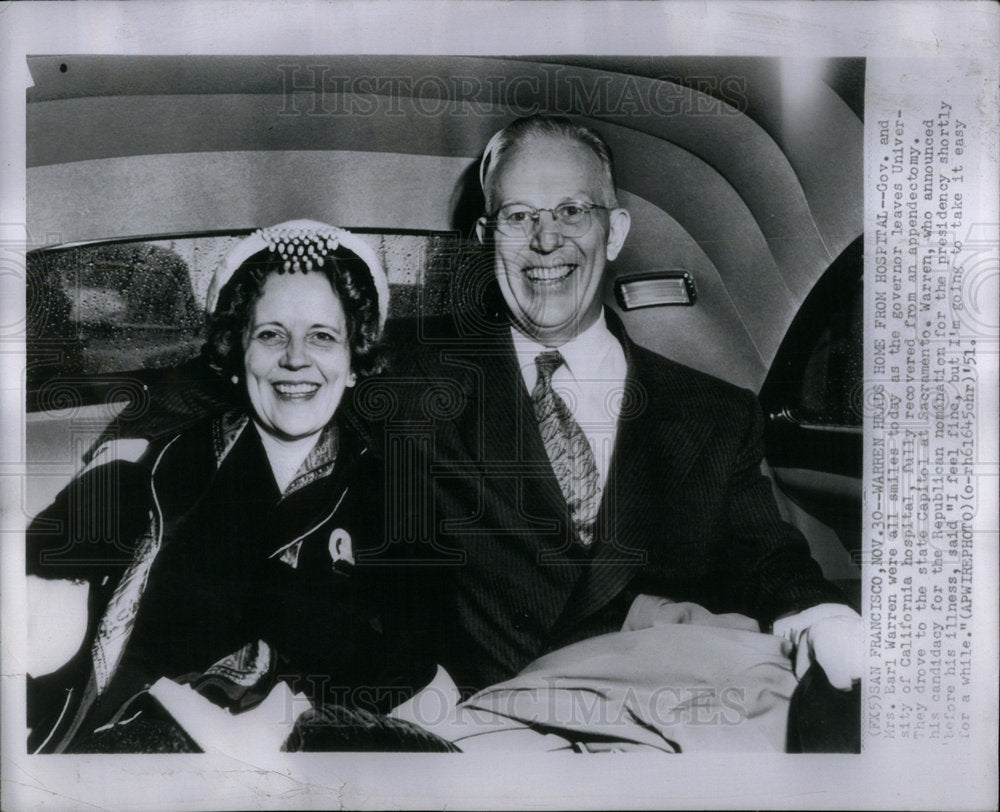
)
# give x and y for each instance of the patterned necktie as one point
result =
(566, 444)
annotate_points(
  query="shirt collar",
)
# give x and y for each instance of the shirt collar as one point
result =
(583, 353)
(318, 462)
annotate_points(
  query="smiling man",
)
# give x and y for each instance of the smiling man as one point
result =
(556, 223)
(582, 484)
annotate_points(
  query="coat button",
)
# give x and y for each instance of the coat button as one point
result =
(522, 620)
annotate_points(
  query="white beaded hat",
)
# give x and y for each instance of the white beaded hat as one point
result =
(303, 245)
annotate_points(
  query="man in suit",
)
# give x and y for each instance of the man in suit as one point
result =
(574, 480)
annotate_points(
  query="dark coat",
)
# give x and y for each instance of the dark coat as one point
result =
(346, 634)
(686, 512)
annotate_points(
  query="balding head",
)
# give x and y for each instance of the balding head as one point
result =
(520, 133)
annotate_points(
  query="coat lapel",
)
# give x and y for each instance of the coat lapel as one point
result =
(659, 436)
(500, 434)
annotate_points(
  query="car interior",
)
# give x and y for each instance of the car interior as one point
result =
(743, 177)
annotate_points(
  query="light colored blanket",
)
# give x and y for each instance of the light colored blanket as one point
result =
(676, 686)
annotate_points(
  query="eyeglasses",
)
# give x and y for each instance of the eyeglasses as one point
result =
(518, 220)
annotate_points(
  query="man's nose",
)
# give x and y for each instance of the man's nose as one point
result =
(545, 233)
(295, 356)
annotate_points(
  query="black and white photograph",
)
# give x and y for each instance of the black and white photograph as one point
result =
(486, 405)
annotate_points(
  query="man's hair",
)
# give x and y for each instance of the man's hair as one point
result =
(542, 126)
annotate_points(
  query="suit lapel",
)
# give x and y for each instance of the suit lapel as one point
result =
(499, 432)
(656, 443)
(659, 436)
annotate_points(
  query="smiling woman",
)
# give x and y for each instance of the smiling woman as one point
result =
(297, 360)
(232, 554)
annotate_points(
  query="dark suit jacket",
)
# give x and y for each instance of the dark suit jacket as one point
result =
(686, 512)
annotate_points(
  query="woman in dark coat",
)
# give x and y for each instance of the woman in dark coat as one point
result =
(250, 547)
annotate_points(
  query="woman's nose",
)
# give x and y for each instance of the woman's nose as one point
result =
(545, 233)
(295, 356)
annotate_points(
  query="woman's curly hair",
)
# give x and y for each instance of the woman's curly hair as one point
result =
(348, 276)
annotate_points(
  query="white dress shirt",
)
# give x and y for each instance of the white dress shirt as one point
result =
(591, 383)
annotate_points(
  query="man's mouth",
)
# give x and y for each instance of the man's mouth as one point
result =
(548, 275)
(295, 391)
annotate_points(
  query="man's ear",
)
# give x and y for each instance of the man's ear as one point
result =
(619, 222)
(481, 229)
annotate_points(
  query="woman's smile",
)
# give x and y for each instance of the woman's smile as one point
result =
(291, 391)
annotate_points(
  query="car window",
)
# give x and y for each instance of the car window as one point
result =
(817, 374)
(109, 308)
(833, 372)
(101, 309)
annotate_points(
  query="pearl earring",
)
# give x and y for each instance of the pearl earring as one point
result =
(235, 379)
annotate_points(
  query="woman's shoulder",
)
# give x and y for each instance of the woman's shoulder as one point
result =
(171, 400)
(146, 451)
(127, 449)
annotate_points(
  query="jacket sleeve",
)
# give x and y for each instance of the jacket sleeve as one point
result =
(770, 561)
(87, 534)
(90, 531)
